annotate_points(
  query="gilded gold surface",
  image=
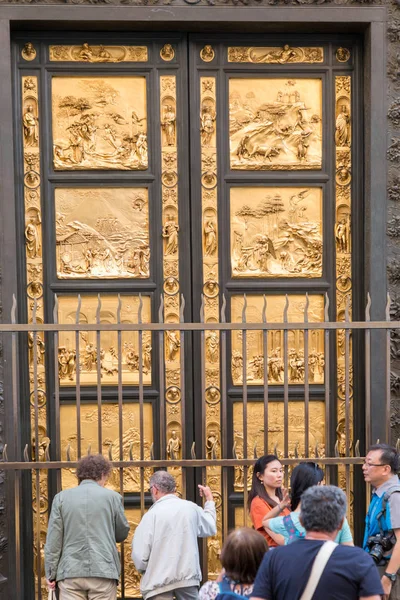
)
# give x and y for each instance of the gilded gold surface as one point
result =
(110, 429)
(276, 232)
(98, 54)
(103, 125)
(275, 54)
(342, 231)
(343, 54)
(275, 124)
(207, 53)
(35, 310)
(107, 354)
(28, 51)
(209, 205)
(102, 233)
(132, 577)
(167, 52)
(170, 236)
(296, 359)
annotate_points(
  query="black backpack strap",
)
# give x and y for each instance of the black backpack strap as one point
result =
(386, 497)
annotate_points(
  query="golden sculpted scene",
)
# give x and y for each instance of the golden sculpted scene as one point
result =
(276, 232)
(275, 55)
(275, 124)
(91, 357)
(102, 233)
(98, 54)
(102, 124)
(110, 434)
(255, 352)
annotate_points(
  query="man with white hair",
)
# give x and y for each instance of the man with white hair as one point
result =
(315, 566)
(164, 546)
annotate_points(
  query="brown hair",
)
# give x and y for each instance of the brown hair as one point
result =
(93, 467)
(242, 554)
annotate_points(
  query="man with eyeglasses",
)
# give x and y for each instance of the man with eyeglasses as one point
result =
(382, 524)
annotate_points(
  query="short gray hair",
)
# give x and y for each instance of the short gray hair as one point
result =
(323, 508)
(163, 481)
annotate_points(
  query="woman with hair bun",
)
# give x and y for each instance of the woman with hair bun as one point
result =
(266, 496)
(287, 529)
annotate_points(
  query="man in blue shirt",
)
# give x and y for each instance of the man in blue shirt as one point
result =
(380, 469)
(350, 574)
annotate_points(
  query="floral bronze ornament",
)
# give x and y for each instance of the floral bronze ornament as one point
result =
(342, 55)
(167, 52)
(207, 53)
(28, 52)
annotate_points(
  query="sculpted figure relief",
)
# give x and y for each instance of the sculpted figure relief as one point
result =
(174, 446)
(32, 240)
(207, 124)
(342, 134)
(99, 127)
(210, 235)
(275, 124)
(173, 344)
(170, 234)
(168, 125)
(30, 124)
(342, 235)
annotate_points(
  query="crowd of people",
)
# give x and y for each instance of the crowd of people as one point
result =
(300, 546)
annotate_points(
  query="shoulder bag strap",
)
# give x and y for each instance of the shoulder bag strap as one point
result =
(318, 567)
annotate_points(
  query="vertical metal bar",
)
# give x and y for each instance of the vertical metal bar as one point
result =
(141, 404)
(56, 393)
(327, 389)
(38, 527)
(203, 419)
(265, 370)
(244, 354)
(78, 381)
(120, 436)
(224, 421)
(98, 363)
(161, 356)
(183, 397)
(306, 381)
(387, 406)
(286, 384)
(16, 453)
(347, 403)
(368, 376)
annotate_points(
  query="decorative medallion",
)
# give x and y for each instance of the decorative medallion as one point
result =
(167, 52)
(342, 54)
(28, 52)
(207, 53)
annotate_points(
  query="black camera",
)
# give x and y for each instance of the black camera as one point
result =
(379, 544)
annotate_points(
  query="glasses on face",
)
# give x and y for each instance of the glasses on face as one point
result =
(370, 464)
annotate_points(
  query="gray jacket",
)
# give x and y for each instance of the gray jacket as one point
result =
(84, 526)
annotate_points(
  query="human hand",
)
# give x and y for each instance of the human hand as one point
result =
(206, 492)
(285, 502)
(387, 587)
(51, 584)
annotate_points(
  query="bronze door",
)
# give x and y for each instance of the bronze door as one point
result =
(190, 178)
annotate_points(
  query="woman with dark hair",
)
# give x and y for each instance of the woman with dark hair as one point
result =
(285, 530)
(241, 557)
(266, 496)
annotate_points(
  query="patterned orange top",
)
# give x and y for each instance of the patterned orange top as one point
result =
(258, 509)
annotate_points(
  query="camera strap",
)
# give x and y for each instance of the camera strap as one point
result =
(385, 500)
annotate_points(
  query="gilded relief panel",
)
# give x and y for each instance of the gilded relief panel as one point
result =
(102, 125)
(275, 124)
(132, 577)
(98, 54)
(276, 232)
(102, 233)
(110, 429)
(296, 358)
(275, 54)
(107, 354)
